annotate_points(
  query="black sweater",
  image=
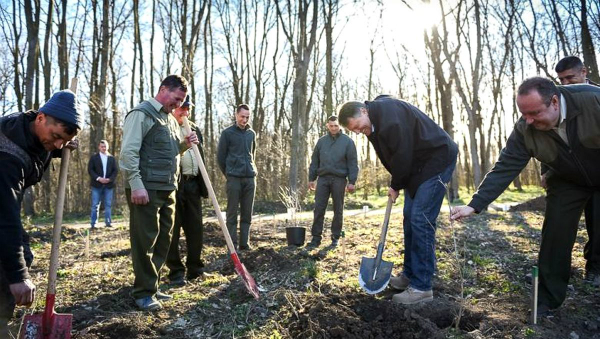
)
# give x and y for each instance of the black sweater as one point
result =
(15, 177)
(411, 146)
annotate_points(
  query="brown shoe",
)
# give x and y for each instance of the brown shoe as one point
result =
(400, 282)
(412, 296)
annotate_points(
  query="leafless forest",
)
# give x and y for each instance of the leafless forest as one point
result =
(291, 62)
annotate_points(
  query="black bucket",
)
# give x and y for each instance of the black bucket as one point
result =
(295, 235)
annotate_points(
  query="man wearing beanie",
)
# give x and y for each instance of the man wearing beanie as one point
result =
(188, 212)
(150, 160)
(28, 141)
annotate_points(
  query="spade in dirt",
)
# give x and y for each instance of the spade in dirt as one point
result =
(375, 273)
(49, 324)
(239, 267)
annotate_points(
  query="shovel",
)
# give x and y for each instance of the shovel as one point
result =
(51, 325)
(239, 267)
(375, 273)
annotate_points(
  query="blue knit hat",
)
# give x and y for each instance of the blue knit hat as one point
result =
(63, 106)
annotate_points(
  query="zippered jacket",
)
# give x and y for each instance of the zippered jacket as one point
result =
(578, 162)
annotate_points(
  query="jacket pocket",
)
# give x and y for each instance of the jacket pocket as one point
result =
(159, 170)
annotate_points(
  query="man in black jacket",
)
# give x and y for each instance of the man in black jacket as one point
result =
(188, 210)
(28, 141)
(235, 156)
(560, 127)
(421, 157)
(103, 170)
(333, 160)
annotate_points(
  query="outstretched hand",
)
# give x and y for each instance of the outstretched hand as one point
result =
(461, 212)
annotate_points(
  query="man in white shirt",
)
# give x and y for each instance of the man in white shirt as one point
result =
(103, 171)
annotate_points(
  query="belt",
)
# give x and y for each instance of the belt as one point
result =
(188, 177)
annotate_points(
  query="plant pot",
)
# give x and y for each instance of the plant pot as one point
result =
(295, 235)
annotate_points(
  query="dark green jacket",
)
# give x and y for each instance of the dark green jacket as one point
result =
(578, 162)
(334, 155)
(235, 153)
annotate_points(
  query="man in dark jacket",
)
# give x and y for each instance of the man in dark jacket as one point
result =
(334, 163)
(28, 141)
(188, 210)
(560, 127)
(103, 171)
(421, 157)
(235, 156)
(571, 71)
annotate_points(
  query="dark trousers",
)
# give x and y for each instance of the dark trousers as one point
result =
(591, 251)
(7, 301)
(564, 204)
(240, 193)
(150, 229)
(327, 186)
(188, 215)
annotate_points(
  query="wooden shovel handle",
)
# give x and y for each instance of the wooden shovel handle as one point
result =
(58, 211)
(211, 191)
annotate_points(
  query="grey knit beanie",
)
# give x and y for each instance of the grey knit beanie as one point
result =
(63, 106)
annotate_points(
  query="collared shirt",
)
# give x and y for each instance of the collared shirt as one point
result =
(135, 127)
(104, 159)
(189, 165)
(561, 129)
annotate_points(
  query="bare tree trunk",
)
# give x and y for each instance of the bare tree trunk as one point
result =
(589, 53)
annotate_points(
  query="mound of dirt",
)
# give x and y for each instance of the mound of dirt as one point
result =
(535, 204)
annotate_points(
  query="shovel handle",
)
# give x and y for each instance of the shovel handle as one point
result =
(384, 228)
(58, 212)
(211, 191)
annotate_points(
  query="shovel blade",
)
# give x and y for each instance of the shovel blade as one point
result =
(245, 275)
(373, 279)
(59, 326)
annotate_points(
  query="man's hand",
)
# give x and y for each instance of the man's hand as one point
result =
(461, 211)
(312, 185)
(140, 196)
(350, 188)
(192, 138)
(104, 180)
(72, 144)
(24, 292)
(392, 193)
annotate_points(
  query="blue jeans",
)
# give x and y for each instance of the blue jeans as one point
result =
(420, 215)
(105, 195)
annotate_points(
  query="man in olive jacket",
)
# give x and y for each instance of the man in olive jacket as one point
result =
(333, 160)
(560, 127)
(150, 160)
(235, 156)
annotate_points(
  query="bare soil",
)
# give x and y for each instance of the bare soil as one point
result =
(479, 287)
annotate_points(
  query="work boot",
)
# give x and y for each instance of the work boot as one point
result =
(412, 296)
(592, 278)
(148, 304)
(313, 244)
(400, 282)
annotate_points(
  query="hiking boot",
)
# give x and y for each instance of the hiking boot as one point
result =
(592, 278)
(334, 242)
(400, 282)
(177, 282)
(163, 296)
(412, 296)
(313, 244)
(148, 304)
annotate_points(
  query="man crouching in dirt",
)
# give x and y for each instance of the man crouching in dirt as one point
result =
(28, 141)
(560, 127)
(421, 157)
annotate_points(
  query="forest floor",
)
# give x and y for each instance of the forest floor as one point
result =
(479, 287)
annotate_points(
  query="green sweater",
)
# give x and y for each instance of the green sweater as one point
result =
(334, 155)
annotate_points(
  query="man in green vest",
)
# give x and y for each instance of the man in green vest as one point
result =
(150, 159)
